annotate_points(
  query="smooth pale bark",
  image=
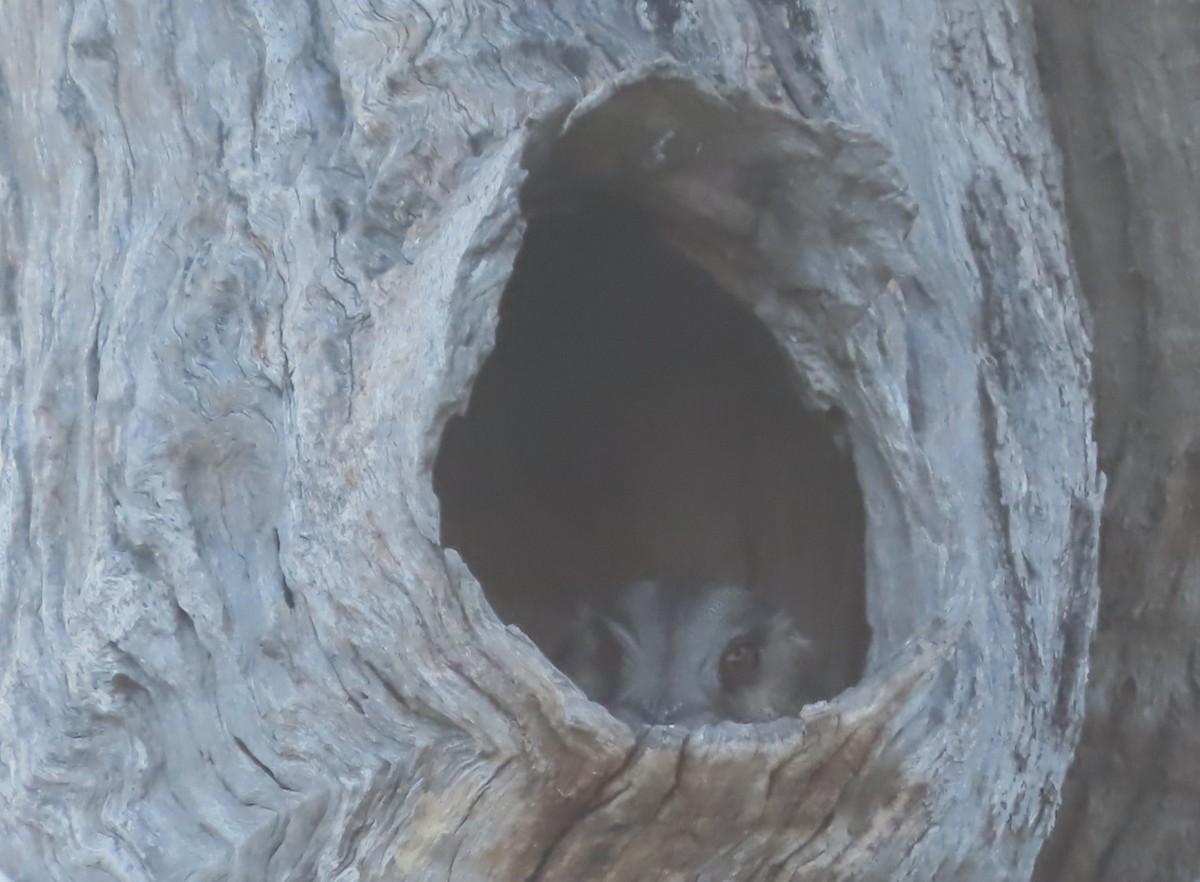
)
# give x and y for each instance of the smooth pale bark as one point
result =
(251, 260)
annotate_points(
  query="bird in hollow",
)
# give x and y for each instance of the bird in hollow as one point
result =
(663, 653)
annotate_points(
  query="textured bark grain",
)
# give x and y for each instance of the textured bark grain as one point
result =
(1122, 87)
(251, 260)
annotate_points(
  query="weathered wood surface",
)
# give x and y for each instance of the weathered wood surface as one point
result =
(1122, 87)
(252, 258)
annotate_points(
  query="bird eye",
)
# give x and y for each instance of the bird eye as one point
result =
(605, 661)
(608, 652)
(739, 664)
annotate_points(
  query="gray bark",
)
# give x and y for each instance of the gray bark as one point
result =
(252, 262)
(1122, 86)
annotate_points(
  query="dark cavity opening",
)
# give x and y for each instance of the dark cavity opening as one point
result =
(635, 421)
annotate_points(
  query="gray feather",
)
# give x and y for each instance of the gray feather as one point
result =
(654, 655)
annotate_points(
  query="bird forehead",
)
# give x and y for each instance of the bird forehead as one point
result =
(651, 609)
(679, 635)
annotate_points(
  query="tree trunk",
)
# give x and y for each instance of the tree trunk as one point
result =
(1122, 86)
(253, 263)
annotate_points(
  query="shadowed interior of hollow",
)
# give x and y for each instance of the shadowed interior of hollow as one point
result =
(635, 421)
